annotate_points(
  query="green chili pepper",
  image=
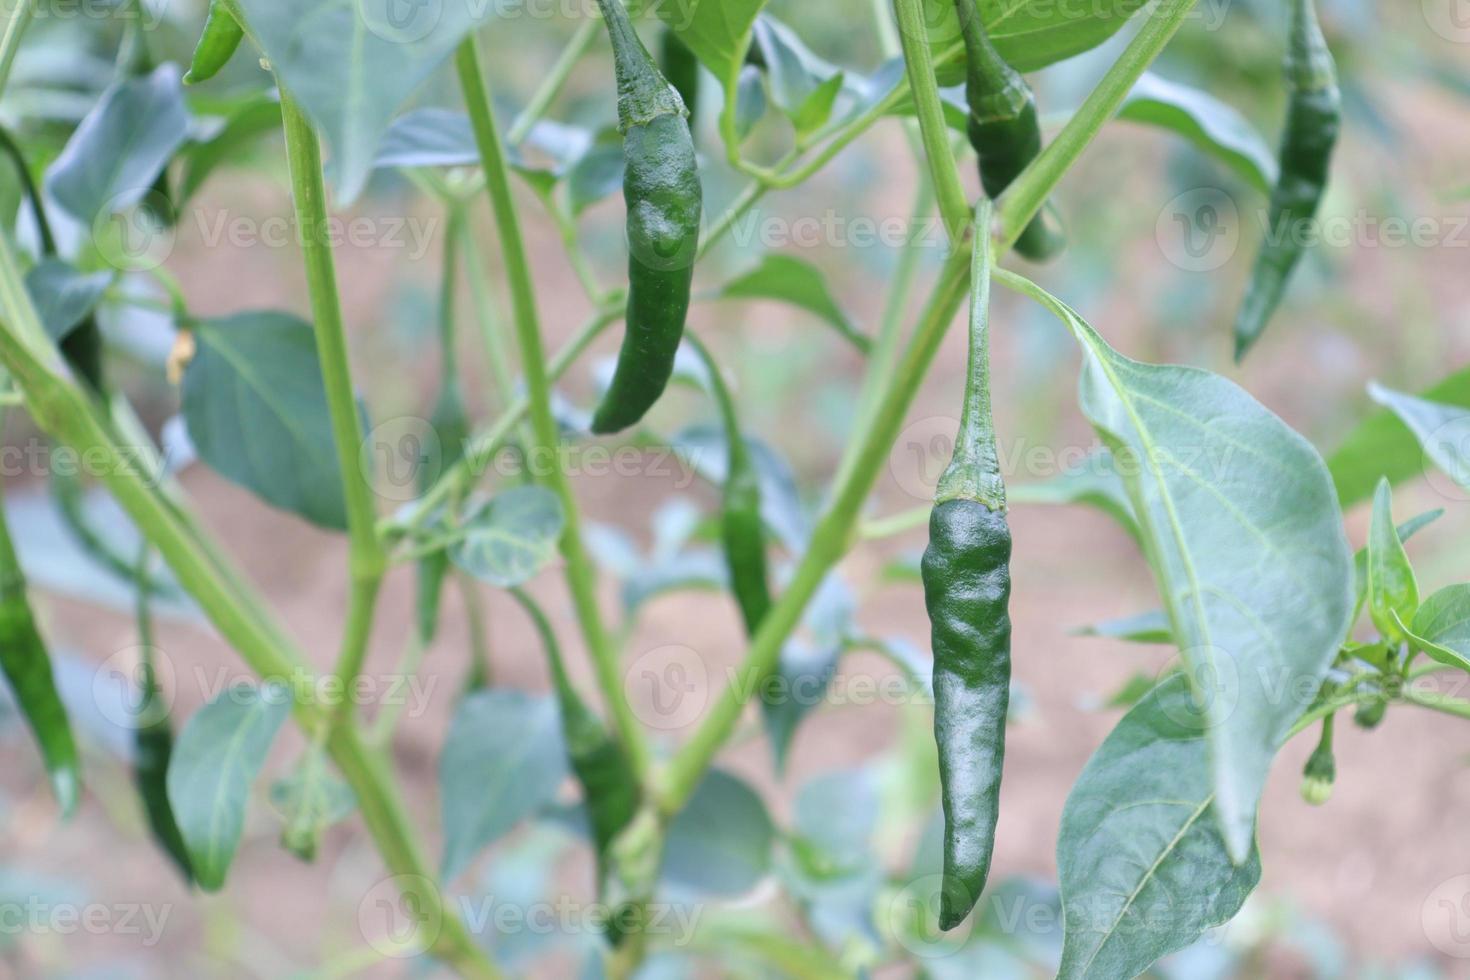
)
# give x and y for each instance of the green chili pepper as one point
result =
(27, 669)
(967, 586)
(217, 43)
(1321, 768)
(1004, 129)
(153, 737)
(609, 786)
(681, 68)
(742, 532)
(1313, 118)
(662, 189)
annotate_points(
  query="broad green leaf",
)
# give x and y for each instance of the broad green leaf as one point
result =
(115, 154)
(750, 100)
(503, 761)
(1443, 430)
(720, 844)
(1095, 483)
(257, 413)
(804, 86)
(1031, 34)
(243, 128)
(1242, 530)
(353, 63)
(795, 281)
(510, 537)
(1393, 594)
(597, 172)
(64, 296)
(1205, 121)
(1443, 625)
(216, 759)
(1149, 627)
(1143, 866)
(717, 31)
(1383, 446)
(1406, 531)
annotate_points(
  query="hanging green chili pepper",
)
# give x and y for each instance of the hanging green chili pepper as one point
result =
(662, 189)
(27, 668)
(1004, 129)
(1321, 768)
(1313, 118)
(217, 43)
(609, 787)
(153, 737)
(681, 68)
(742, 532)
(967, 586)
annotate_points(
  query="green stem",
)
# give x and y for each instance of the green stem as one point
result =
(367, 559)
(482, 667)
(1435, 701)
(1029, 191)
(10, 35)
(832, 537)
(950, 191)
(552, 85)
(581, 578)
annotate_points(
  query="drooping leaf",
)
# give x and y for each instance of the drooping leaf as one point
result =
(1144, 868)
(1383, 446)
(245, 126)
(353, 63)
(216, 759)
(118, 150)
(721, 843)
(1443, 430)
(1149, 627)
(503, 761)
(510, 537)
(63, 295)
(1393, 594)
(804, 86)
(1242, 529)
(1212, 125)
(256, 411)
(792, 280)
(717, 31)
(1031, 34)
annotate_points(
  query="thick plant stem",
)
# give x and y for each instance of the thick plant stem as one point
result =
(1028, 192)
(953, 204)
(832, 537)
(580, 575)
(367, 558)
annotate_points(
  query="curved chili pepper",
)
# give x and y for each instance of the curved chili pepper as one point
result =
(681, 68)
(1313, 119)
(665, 201)
(609, 787)
(742, 532)
(27, 668)
(217, 43)
(967, 587)
(1320, 772)
(1004, 129)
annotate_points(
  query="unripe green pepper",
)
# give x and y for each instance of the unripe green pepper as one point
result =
(1313, 119)
(1320, 771)
(1003, 127)
(665, 202)
(967, 588)
(217, 44)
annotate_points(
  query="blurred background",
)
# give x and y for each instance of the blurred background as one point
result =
(1351, 889)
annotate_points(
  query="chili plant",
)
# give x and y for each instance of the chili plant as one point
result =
(1280, 628)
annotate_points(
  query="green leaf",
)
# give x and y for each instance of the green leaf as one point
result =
(118, 150)
(1442, 626)
(1212, 125)
(216, 759)
(245, 126)
(1242, 530)
(309, 801)
(717, 31)
(1383, 446)
(1144, 869)
(1442, 430)
(720, 844)
(1406, 531)
(353, 63)
(503, 761)
(256, 411)
(750, 100)
(803, 86)
(597, 172)
(1149, 627)
(795, 281)
(64, 296)
(510, 537)
(1031, 34)
(1393, 594)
